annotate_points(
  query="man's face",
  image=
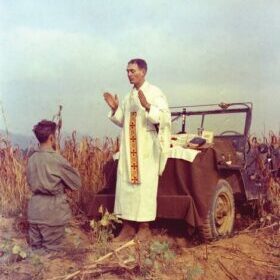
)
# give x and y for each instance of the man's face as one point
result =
(135, 75)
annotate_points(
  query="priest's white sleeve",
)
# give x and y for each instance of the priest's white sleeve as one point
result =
(117, 117)
(159, 114)
(155, 110)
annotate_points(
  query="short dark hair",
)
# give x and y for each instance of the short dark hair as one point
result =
(142, 64)
(44, 129)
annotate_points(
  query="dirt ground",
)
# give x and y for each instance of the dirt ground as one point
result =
(249, 254)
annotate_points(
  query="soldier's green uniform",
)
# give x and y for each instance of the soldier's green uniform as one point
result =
(48, 174)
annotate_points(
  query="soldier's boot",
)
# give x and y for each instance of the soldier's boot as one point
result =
(127, 232)
(144, 232)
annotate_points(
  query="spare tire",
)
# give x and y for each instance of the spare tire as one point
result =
(220, 219)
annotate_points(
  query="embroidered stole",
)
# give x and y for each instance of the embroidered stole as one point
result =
(133, 149)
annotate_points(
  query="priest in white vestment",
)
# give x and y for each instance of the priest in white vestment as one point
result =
(145, 121)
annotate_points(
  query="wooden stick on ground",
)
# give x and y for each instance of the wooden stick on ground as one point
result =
(240, 254)
(128, 244)
(269, 226)
(95, 263)
(247, 229)
(229, 274)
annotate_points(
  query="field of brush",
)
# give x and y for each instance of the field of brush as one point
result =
(88, 156)
(253, 252)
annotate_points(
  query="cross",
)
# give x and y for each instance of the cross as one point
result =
(134, 165)
(133, 153)
(134, 180)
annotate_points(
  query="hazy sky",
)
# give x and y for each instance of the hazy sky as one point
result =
(69, 52)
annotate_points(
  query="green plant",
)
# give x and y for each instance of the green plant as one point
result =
(17, 250)
(193, 272)
(102, 230)
(8, 247)
(157, 258)
(5, 245)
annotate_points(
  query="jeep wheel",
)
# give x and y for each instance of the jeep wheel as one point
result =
(220, 219)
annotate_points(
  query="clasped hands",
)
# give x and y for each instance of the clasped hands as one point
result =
(113, 101)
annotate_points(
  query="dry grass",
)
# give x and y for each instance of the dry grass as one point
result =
(13, 187)
(268, 161)
(274, 197)
(88, 156)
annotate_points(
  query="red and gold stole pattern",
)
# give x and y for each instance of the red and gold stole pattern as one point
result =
(133, 149)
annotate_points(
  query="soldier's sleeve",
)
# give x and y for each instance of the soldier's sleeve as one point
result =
(69, 175)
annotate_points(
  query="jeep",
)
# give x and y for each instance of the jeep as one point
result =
(212, 166)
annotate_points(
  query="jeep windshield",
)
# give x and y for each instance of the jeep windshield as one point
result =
(221, 119)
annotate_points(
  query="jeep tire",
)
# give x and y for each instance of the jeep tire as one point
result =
(220, 219)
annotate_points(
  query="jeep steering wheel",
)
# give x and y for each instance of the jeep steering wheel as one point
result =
(230, 131)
